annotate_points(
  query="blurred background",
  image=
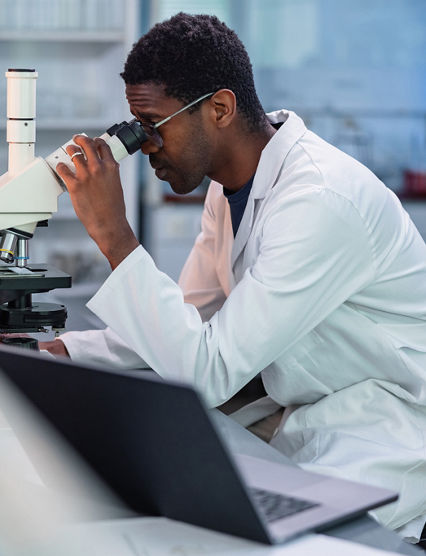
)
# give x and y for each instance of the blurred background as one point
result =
(355, 71)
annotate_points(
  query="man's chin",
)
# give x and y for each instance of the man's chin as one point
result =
(181, 188)
(177, 189)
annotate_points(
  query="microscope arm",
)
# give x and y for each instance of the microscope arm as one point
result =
(28, 197)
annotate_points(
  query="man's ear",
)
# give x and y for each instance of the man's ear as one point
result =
(224, 107)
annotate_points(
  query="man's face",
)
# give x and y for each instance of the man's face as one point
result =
(185, 157)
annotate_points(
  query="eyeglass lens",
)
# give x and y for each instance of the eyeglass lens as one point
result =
(152, 134)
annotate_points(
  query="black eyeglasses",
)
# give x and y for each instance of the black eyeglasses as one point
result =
(151, 129)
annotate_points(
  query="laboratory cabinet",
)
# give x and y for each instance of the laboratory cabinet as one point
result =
(417, 211)
(78, 48)
(170, 231)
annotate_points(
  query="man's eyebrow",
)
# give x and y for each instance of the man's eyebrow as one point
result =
(147, 116)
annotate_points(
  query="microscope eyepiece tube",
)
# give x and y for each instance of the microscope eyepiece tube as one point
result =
(123, 139)
(21, 93)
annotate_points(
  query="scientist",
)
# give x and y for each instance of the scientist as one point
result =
(307, 271)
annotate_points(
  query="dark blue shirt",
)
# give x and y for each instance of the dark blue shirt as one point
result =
(237, 203)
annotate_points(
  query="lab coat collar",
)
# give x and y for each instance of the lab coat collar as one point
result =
(276, 150)
(268, 170)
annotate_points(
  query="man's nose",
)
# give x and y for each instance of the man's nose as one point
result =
(149, 147)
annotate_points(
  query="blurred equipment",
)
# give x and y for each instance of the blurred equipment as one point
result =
(414, 183)
(33, 517)
(28, 197)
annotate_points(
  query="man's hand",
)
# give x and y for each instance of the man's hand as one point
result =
(55, 347)
(97, 196)
(4, 335)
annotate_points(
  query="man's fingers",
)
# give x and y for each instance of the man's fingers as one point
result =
(87, 146)
(76, 155)
(104, 150)
(4, 336)
(65, 173)
(55, 347)
(89, 149)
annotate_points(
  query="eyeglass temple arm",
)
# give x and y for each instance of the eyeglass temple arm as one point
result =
(181, 110)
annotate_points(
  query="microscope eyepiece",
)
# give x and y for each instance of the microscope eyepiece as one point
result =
(131, 134)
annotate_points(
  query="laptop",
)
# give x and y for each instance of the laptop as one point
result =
(155, 445)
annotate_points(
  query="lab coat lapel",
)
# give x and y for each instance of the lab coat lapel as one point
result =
(243, 230)
(268, 170)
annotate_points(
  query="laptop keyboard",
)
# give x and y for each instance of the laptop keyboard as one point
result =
(276, 506)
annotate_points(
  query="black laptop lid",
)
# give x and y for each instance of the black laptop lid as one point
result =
(151, 441)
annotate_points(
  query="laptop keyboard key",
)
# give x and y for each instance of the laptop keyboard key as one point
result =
(276, 506)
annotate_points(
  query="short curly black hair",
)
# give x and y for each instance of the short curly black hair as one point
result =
(192, 55)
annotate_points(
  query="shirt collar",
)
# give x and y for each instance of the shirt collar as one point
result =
(235, 196)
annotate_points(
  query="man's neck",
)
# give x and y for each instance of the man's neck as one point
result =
(241, 159)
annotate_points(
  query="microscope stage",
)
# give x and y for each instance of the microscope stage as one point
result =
(32, 279)
(17, 311)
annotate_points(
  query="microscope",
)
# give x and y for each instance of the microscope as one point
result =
(28, 197)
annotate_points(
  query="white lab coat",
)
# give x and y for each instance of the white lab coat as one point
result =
(323, 292)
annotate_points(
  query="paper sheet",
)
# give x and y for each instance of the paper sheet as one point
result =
(164, 537)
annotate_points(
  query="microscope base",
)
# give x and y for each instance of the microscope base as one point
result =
(32, 319)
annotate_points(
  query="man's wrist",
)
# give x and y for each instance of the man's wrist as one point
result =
(119, 250)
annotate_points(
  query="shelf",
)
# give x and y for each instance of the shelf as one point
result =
(32, 35)
(72, 124)
(61, 216)
(406, 198)
(91, 123)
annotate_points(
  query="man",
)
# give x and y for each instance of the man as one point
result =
(307, 270)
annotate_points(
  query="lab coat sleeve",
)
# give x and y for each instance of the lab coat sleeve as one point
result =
(314, 253)
(199, 280)
(101, 347)
(200, 286)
